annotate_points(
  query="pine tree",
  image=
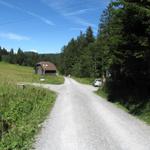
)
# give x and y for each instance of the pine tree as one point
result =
(11, 56)
(20, 57)
(89, 35)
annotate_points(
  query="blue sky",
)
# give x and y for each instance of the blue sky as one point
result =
(46, 26)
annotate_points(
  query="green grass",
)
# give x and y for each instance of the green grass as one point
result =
(146, 117)
(121, 106)
(145, 114)
(53, 79)
(102, 93)
(22, 110)
(16, 73)
(84, 80)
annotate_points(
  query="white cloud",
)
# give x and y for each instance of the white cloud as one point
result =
(33, 50)
(43, 19)
(78, 12)
(13, 36)
(6, 4)
(70, 10)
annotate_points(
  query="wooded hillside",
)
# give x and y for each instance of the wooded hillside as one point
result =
(120, 52)
(26, 58)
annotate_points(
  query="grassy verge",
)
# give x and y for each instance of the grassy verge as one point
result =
(121, 106)
(21, 113)
(52, 79)
(102, 93)
(84, 80)
(21, 110)
(145, 115)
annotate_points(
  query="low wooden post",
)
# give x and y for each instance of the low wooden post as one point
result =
(21, 85)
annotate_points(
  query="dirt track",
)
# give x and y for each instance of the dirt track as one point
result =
(81, 120)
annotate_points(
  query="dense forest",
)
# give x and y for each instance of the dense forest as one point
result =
(26, 58)
(120, 53)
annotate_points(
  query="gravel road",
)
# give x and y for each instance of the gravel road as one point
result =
(81, 120)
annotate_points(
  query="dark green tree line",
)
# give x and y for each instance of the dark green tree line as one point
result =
(26, 58)
(120, 53)
(76, 58)
(130, 76)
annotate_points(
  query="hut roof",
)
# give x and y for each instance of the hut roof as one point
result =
(46, 65)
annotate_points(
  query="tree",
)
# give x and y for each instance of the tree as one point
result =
(20, 57)
(75, 57)
(89, 35)
(12, 56)
(129, 49)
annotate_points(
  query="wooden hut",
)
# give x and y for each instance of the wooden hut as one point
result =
(45, 68)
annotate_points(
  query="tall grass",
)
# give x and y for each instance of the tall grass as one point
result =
(21, 110)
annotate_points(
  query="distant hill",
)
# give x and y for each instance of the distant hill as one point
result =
(27, 58)
(55, 58)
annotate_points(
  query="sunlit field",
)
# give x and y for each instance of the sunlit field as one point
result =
(22, 110)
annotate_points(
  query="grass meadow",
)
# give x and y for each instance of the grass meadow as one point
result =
(22, 110)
